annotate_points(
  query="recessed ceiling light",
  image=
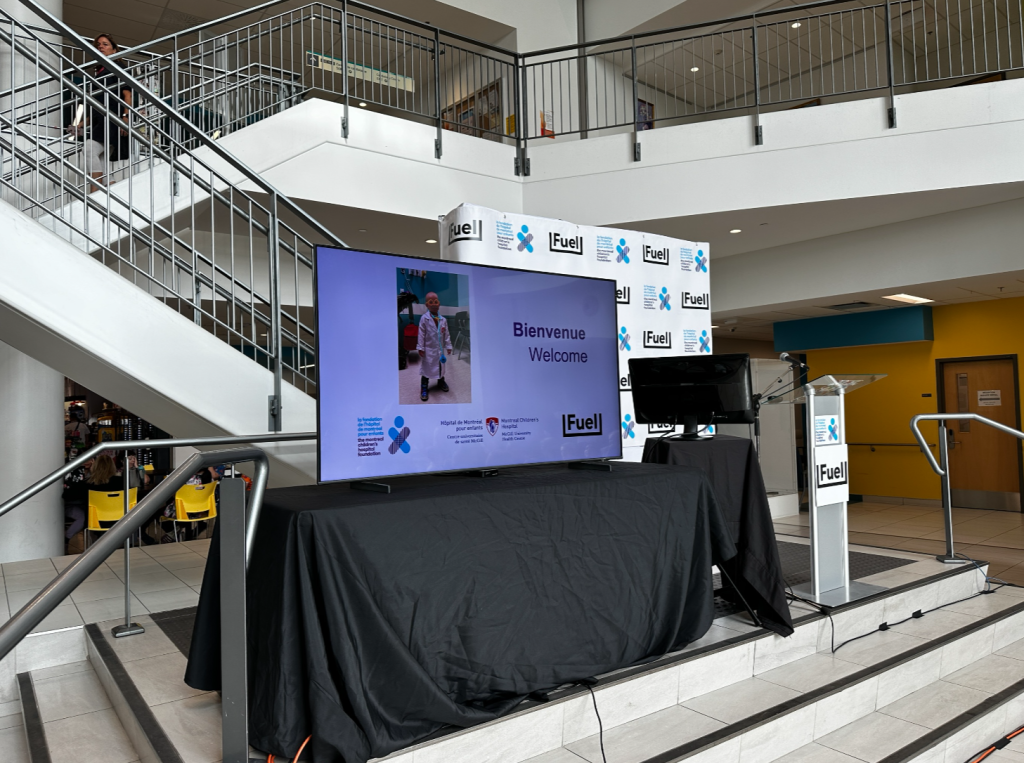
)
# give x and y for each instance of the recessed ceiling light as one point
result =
(362, 230)
(714, 327)
(736, 230)
(910, 299)
(362, 104)
(694, 68)
(795, 25)
(431, 240)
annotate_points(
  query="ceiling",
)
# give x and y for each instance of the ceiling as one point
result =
(980, 288)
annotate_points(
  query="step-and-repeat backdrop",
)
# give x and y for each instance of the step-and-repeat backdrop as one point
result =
(663, 284)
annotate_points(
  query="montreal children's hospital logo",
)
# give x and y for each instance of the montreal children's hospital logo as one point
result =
(623, 252)
(624, 339)
(525, 239)
(700, 262)
(399, 435)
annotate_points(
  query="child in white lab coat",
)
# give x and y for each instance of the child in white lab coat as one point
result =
(432, 344)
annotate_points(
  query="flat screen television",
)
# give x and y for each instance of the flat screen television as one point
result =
(530, 366)
(692, 390)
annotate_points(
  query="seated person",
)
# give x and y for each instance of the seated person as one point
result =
(432, 343)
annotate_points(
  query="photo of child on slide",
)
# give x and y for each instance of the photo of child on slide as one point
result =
(434, 338)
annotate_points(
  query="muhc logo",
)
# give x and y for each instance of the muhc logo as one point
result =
(658, 340)
(471, 231)
(693, 300)
(581, 426)
(565, 244)
(656, 256)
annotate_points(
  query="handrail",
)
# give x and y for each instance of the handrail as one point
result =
(43, 603)
(955, 417)
(94, 451)
(172, 114)
(352, 4)
(941, 467)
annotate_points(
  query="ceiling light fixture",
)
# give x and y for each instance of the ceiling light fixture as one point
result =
(431, 240)
(714, 327)
(362, 104)
(694, 68)
(909, 299)
(736, 230)
(795, 25)
(362, 230)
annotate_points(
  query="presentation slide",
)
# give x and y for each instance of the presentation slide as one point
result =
(427, 365)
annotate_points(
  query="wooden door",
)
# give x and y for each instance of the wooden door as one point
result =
(984, 462)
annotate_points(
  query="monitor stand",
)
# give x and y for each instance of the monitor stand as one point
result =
(370, 487)
(691, 430)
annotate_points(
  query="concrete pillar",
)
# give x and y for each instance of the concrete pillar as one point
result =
(31, 446)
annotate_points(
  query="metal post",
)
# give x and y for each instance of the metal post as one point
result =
(523, 124)
(582, 84)
(233, 647)
(344, 63)
(275, 423)
(516, 66)
(950, 556)
(129, 628)
(758, 134)
(636, 105)
(437, 91)
(175, 128)
(892, 78)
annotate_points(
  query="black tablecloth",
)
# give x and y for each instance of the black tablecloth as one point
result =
(731, 464)
(375, 620)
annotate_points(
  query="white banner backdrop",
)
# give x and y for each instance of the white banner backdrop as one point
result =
(663, 284)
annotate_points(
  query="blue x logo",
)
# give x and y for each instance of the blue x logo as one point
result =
(399, 436)
(525, 240)
(833, 430)
(705, 342)
(623, 251)
(623, 339)
(665, 297)
(627, 428)
(700, 261)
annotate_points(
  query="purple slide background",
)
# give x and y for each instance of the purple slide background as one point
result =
(358, 371)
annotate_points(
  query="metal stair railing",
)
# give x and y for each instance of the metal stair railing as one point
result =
(782, 58)
(237, 522)
(408, 68)
(941, 467)
(175, 219)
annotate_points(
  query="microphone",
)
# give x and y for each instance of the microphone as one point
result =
(787, 358)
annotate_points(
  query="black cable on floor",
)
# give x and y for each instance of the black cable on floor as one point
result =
(600, 726)
(827, 611)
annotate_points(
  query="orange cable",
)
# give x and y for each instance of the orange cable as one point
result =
(296, 760)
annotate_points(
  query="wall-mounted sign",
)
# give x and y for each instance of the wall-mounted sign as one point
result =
(988, 398)
(357, 71)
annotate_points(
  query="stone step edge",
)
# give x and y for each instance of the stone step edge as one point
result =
(953, 727)
(658, 663)
(35, 734)
(738, 729)
(140, 724)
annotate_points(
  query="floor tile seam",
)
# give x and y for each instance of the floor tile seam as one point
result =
(807, 699)
(38, 749)
(155, 735)
(955, 725)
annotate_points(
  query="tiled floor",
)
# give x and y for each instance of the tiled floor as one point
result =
(163, 577)
(994, 536)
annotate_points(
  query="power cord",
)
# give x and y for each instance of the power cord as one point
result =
(827, 611)
(589, 684)
(998, 745)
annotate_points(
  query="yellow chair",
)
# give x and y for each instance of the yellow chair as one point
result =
(194, 503)
(106, 508)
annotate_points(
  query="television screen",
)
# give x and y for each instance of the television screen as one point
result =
(428, 365)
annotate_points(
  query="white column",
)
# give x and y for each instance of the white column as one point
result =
(31, 446)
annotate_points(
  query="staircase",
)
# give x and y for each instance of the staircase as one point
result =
(934, 688)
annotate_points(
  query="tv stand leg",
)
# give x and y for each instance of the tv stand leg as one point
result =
(370, 487)
(593, 466)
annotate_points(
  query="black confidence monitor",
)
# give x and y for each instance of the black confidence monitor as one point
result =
(693, 390)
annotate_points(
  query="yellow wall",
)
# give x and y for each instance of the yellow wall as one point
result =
(882, 412)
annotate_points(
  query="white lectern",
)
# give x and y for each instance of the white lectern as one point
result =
(828, 486)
